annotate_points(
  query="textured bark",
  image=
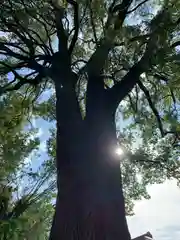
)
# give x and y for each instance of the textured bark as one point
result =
(90, 203)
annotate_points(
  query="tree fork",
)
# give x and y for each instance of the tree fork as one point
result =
(90, 202)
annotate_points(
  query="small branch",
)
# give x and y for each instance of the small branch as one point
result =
(142, 38)
(76, 25)
(132, 104)
(21, 206)
(176, 44)
(15, 67)
(22, 82)
(122, 10)
(83, 14)
(166, 80)
(134, 9)
(40, 70)
(15, 45)
(93, 25)
(122, 6)
(8, 52)
(110, 16)
(152, 106)
(133, 108)
(41, 22)
(79, 61)
(20, 31)
(137, 97)
(152, 162)
(60, 29)
(173, 98)
(177, 22)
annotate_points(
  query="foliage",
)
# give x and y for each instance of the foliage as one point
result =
(22, 191)
(15, 145)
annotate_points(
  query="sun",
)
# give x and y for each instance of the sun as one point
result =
(119, 151)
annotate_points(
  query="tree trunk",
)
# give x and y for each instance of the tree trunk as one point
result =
(90, 203)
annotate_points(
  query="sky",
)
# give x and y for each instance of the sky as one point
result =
(160, 215)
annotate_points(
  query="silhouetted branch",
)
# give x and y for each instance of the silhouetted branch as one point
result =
(14, 26)
(166, 80)
(132, 104)
(24, 34)
(177, 22)
(175, 44)
(8, 52)
(135, 8)
(122, 7)
(123, 87)
(16, 45)
(21, 206)
(98, 58)
(152, 106)
(41, 22)
(84, 13)
(76, 25)
(41, 73)
(22, 82)
(93, 25)
(59, 12)
(15, 67)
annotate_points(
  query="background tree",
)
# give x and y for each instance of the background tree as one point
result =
(95, 58)
(25, 196)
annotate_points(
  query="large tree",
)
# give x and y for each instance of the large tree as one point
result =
(93, 53)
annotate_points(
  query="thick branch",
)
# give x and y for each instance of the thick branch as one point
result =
(97, 60)
(152, 106)
(121, 89)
